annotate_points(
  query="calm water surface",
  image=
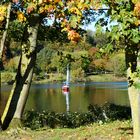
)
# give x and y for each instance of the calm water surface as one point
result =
(50, 96)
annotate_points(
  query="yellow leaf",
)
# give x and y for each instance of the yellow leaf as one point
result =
(21, 17)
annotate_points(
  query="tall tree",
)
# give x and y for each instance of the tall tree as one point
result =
(7, 16)
(126, 14)
(16, 102)
(3, 11)
(68, 13)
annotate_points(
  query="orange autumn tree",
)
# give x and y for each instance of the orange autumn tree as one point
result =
(33, 13)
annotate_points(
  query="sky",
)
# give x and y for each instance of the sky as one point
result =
(93, 28)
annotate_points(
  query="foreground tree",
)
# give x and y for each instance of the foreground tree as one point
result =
(16, 102)
(3, 39)
(67, 13)
(126, 13)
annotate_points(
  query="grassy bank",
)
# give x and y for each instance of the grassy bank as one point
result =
(8, 77)
(91, 78)
(105, 78)
(116, 130)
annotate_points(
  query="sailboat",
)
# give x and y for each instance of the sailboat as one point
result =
(65, 87)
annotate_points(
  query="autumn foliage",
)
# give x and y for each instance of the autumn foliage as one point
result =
(68, 13)
(73, 36)
(3, 10)
(137, 12)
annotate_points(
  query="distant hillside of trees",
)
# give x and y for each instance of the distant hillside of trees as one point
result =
(92, 55)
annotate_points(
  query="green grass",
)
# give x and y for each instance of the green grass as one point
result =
(93, 78)
(105, 78)
(116, 130)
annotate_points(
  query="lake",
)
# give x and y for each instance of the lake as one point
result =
(50, 96)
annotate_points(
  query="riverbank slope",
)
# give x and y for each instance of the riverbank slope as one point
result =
(7, 77)
(116, 130)
(91, 78)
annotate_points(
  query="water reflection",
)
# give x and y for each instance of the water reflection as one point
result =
(50, 97)
(67, 96)
(5, 90)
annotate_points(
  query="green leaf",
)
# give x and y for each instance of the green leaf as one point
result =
(137, 85)
(61, 3)
(136, 39)
(73, 21)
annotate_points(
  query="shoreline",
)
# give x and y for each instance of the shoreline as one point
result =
(91, 78)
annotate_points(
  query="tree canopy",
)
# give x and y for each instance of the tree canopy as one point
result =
(68, 14)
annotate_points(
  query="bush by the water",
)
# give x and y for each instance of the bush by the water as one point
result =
(107, 112)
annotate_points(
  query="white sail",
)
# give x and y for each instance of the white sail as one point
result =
(68, 75)
(65, 87)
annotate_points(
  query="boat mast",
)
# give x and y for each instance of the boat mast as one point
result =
(68, 75)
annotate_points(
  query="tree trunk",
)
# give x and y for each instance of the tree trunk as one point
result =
(23, 96)
(132, 62)
(134, 97)
(6, 28)
(19, 94)
(2, 46)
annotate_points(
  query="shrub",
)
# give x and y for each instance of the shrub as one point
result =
(107, 112)
(78, 74)
(12, 65)
(116, 64)
(7, 77)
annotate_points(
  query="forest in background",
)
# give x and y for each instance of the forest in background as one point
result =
(92, 55)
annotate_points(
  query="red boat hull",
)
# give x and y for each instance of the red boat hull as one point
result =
(65, 88)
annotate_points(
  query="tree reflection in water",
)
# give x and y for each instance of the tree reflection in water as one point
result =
(50, 96)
